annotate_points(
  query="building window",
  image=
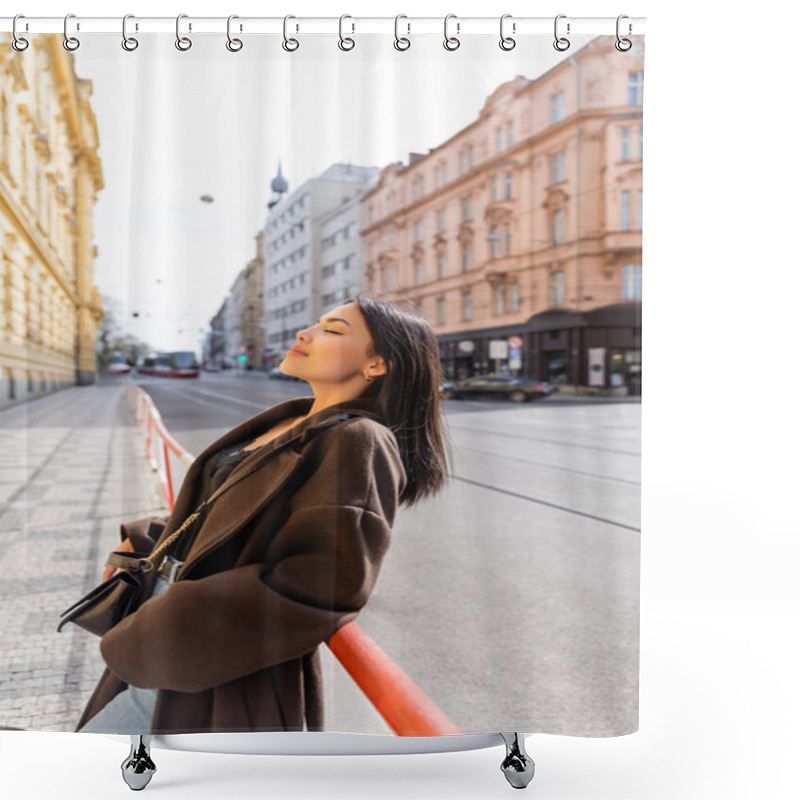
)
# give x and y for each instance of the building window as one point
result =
(509, 178)
(440, 310)
(625, 211)
(440, 264)
(625, 134)
(632, 282)
(466, 209)
(513, 297)
(466, 256)
(390, 279)
(557, 288)
(557, 109)
(635, 88)
(391, 238)
(418, 270)
(557, 168)
(558, 227)
(510, 134)
(639, 210)
(499, 140)
(418, 231)
(507, 240)
(440, 220)
(466, 299)
(470, 156)
(498, 299)
(494, 240)
(641, 143)
(494, 188)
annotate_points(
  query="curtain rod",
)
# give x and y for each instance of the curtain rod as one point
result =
(406, 25)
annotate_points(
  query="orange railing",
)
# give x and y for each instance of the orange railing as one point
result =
(406, 709)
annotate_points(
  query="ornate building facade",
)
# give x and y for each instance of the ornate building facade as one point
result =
(49, 178)
(520, 237)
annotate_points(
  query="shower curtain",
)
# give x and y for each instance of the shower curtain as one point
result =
(173, 218)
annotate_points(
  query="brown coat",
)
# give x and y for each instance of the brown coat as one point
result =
(279, 562)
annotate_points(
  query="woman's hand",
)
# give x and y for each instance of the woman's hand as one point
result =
(126, 547)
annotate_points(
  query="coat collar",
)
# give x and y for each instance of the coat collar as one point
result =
(232, 509)
(261, 422)
(258, 424)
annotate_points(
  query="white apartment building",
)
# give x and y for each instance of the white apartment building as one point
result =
(294, 288)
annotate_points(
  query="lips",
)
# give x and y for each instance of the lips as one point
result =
(296, 351)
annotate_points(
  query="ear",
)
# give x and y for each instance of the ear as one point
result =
(378, 366)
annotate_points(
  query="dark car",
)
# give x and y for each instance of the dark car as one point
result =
(500, 387)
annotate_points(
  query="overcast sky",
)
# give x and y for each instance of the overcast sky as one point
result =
(177, 125)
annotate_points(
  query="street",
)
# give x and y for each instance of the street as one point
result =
(523, 573)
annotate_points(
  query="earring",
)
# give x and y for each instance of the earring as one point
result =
(367, 377)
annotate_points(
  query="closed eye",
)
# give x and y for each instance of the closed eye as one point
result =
(338, 333)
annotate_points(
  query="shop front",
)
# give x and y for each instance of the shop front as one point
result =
(589, 352)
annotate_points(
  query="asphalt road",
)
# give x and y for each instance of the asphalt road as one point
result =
(511, 599)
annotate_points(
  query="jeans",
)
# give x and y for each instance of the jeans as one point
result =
(131, 711)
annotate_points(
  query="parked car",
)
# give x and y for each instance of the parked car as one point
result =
(518, 390)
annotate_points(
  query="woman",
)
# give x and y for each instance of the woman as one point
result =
(291, 550)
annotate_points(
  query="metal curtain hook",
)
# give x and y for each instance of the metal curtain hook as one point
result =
(128, 42)
(401, 43)
(506, 42)
(346, 43)
(560, 40)
(286, 41)
(451, 42)
(17, 42)
(623, 45)
(70, 42)
(182, 42)
(234, 45)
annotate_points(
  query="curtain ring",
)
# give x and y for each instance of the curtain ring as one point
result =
(128, 42)
(18, 43)
(350, 42)
(294, 43)
(623, 45)
(234, 45)
(451, 42)
(560, 40)
(70, 42)
(183, 43)
(506, 42)
(401, 43)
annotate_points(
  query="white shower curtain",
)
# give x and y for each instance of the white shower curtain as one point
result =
(235, 197)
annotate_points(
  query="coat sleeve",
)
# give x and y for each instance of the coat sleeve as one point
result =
(317, 573)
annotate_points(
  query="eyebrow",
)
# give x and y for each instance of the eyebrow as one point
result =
(336, 319)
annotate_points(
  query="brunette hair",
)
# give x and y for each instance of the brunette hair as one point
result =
(407, 396)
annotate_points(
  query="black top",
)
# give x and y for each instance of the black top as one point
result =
(221, 464)
(217, 468)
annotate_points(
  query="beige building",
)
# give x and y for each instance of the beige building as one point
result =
(49, 178)
(520, 237)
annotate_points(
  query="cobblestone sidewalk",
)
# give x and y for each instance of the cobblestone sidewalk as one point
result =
(72, 468)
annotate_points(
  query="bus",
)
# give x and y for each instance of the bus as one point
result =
(173, 364)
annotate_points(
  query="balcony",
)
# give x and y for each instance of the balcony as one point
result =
(622, 242)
